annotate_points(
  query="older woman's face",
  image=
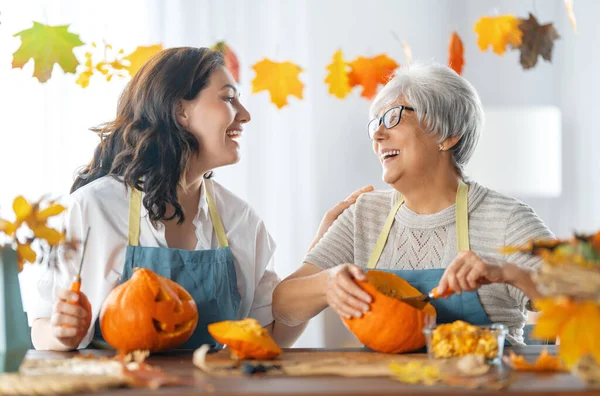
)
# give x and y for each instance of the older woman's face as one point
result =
(405, 151)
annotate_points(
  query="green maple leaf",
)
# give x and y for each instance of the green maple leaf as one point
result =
(47, 45)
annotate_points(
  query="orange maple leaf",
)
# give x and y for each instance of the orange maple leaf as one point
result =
(575, 323)
(370, 72)
(279, 78)
(544, 362)
(138, 57)
(456, 59)
(498, 32)
(337, 79)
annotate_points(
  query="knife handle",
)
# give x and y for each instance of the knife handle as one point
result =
(447, 293)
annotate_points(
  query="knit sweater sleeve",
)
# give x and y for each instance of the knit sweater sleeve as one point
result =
(524, 225)
(337, 245)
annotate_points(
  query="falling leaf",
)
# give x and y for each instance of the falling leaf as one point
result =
(407, 52)
(279, 78)
(370, 72)
(571, 14)
(544, 362)
(564, 318)
(138, 57)
(109, 64)
(498, 32)
(537, 40)
(47, 45)
(456, 58)
(337, 79)
(231, 60)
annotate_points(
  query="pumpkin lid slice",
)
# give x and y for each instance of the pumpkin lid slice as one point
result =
(395, 287)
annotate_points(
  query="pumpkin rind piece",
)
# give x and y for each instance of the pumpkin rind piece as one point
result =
(246, 338)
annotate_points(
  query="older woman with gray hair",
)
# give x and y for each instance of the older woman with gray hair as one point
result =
(433, 227)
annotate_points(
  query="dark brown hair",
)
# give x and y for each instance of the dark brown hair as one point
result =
(144, 146)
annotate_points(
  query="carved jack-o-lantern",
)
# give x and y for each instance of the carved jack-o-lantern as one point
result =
(148, 312)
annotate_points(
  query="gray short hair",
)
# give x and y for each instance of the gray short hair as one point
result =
(446, 104)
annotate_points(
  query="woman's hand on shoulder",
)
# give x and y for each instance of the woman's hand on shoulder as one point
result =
(335, 212)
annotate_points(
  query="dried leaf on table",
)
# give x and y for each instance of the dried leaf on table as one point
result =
(544, 362)
(279, 78)
(47, 46)
(571, 14)
(337, 78)
(141, 375)
(456, 58)
(370, 72)
(537, 40)
(498, 32)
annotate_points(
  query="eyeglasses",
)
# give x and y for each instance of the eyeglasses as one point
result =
(390, 119)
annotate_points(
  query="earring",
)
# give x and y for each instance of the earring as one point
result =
(441, 147)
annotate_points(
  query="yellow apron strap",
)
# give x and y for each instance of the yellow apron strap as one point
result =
(462, 225)
(135, 206)
(214, 215)
(383, 236)
(462, 217)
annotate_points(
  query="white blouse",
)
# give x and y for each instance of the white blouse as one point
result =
(103, 205)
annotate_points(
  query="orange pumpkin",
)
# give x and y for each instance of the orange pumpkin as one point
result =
(390, 326)
(246, 338)
(148, 312)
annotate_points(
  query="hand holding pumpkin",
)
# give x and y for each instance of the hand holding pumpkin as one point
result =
(71, 317)
(343, 295)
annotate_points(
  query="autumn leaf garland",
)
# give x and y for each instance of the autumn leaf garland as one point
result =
(50, 45)
(526, 35)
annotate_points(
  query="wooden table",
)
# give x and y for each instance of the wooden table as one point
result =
(180, 364)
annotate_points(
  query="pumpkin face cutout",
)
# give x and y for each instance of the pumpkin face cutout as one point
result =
(390, 326)
(148, 312)
(246, 338)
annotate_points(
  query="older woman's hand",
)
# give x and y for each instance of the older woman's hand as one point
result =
(343, 294)
(468, 271)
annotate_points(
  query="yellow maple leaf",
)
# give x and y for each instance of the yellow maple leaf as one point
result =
(279, 78)
(370, 72)
(498, 32)
(575, 323)
(138, 57)
(337, 79)
(47, 46)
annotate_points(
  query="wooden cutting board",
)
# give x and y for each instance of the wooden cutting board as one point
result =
(309, 363)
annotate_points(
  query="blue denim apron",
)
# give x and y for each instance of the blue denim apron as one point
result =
(465, 306)
(208, 275)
